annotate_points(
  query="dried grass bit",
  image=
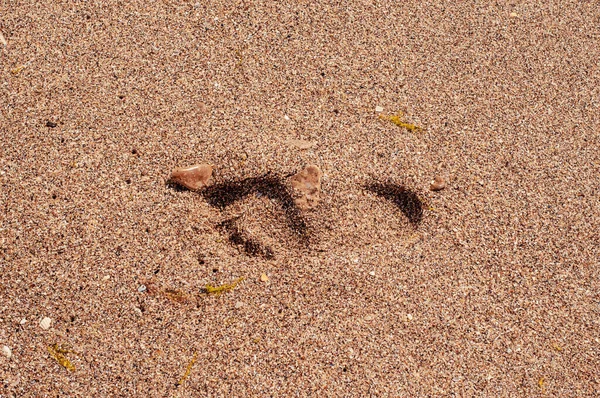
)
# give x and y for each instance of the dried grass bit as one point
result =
(188, 370)
(193, 177)
(59, 354)
(223, 288)
(397, 120)
(17, 69)
(307, 186)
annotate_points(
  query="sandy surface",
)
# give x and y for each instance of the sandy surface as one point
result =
(489, 287)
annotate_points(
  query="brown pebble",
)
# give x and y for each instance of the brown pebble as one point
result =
(437, 184)
(307, 186)
(50, 124)
(193, 177)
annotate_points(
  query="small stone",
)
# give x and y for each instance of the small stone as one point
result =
(7, 351)
(514, 15)
(286, 117)
(105, 278)
(239, 304)
(307, 186)
(193, 177)
(372, 273)
(300, 144)
(51, 124)
(437, 184)
(3, 40)
(142, 288)
(23, 321)
(45, 323)
(264, 278)
(379, 109)
(409, 317)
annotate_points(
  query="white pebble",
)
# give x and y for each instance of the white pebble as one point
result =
(239, 304)
(286, 117)
(23, 321)
(142, 288)
(409, 317)
(379, 109)
(7, 351)
(372, 273)
(45, 323)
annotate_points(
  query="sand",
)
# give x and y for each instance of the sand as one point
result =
(488, 287)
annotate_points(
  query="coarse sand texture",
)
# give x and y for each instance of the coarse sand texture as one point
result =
(299, 198)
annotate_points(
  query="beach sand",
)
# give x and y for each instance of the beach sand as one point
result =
(488, 287)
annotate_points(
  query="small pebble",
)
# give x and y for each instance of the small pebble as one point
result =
(105, 278)
(264, 278)
(50, 124)
(372, 273)
(514, 15)
(409, 317)
(23, 321)
(142, 288)
(45, 323)
(7, 351)
(437, 184)
(286, 117)
(3, 40)
(193, 177)
(239, 304)
(300, 144)
(379, 109)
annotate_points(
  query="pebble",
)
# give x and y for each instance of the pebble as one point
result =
(409, 317)
(264, 278)
(300, 144)
(142, 288)
(7, 351)
(239, 305)
(437, 184)
(307, 184)
(372, 273)
(45, 323)
(3, 40)
(23, 321)
(192, 177)
(379, 109)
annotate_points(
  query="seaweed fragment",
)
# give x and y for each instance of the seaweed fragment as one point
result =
(218, 290)
(397, 120)
(59, 354)
(188, 370)
(176, 295)
(406, 200)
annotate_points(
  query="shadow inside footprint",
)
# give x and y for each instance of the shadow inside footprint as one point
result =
(249, 245)
(407, 201)
(273, 187)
